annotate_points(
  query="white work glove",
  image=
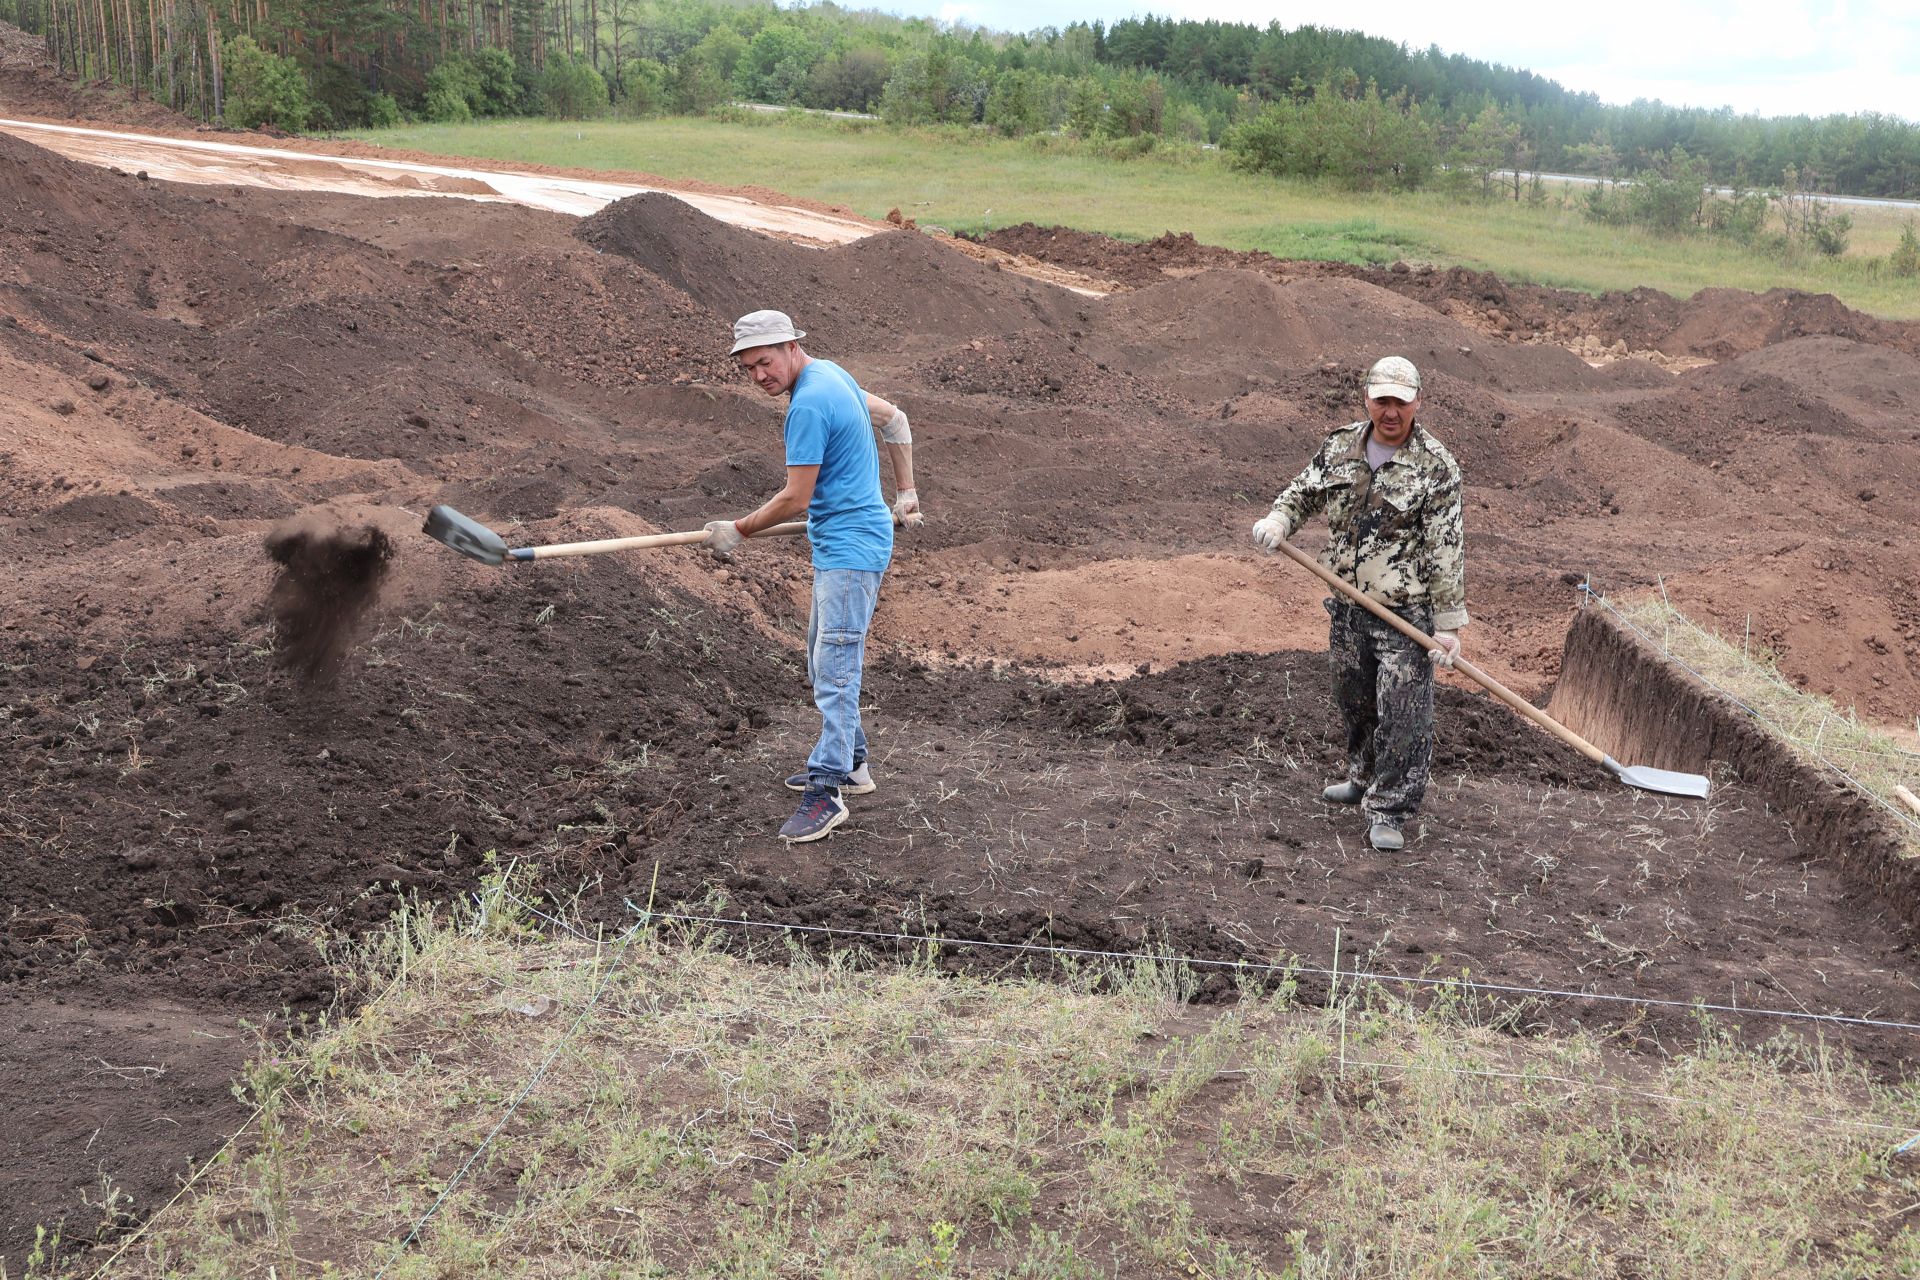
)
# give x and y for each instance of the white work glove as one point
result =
(1270, 532)
(906, 509)
(724, 536)
(1449, 642)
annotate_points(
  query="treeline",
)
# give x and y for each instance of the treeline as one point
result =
(1312, 101)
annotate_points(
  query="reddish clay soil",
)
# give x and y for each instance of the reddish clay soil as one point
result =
(183, 371)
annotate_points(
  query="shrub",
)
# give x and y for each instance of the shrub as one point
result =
(1358, 139)
(850, 81)
(776, 65)
(468, 85)
(694, 86)
(1741, 216)
(495, 86)
(1016, 106)
(641, 89)
(1828, 233)
(1672, 199)
(934, 86)
(382, 111)
(445, 103)
(571, 89)
(1811, 221)
(262, 88)
(1905, 260)
(1130, 147)
(1267, 143)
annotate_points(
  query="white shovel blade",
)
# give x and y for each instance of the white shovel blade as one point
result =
(1665, 781)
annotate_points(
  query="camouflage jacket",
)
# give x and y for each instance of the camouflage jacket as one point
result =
(1397, 532)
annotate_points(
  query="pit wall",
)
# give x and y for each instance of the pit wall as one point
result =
(1625, 697)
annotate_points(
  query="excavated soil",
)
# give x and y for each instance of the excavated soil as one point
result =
(30, 86)
(244, 702)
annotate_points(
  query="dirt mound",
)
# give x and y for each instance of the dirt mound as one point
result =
(1724, 410)
(76, 239)
(1134, 265)
(1031, 366)
(31, 86)
(22, 52)
(1863, 380)
(1722, 323)
(1716, 324)
(871, 295)
(726, 268)
(1217, 332)
(328, 579)
(598, 319)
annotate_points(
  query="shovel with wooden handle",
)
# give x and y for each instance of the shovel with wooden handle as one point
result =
(1665, 781)
(477, 542)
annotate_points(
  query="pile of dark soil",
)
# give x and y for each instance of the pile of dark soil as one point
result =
(875, 294)
(1131, 264)
(578, 316)
(1032, 366)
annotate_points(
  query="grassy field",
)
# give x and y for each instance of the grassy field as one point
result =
(654, 1107)
(970, 181)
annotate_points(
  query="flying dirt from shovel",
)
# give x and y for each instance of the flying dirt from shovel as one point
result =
(330, 574)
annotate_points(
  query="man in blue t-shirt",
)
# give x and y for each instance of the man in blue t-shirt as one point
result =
(833, 474)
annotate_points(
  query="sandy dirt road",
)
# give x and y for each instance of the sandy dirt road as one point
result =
(200, 162)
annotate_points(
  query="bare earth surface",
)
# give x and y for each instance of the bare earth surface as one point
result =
(185, 368)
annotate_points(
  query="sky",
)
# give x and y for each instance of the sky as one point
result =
(1765, 57)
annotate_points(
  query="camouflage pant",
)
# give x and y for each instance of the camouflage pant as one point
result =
(1383, 689)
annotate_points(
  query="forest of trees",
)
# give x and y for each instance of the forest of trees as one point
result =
(1311, 101)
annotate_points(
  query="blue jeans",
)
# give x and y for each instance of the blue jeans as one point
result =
(843, 601)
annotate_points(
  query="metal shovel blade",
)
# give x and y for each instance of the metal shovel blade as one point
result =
(1665, 781)
(467, 536)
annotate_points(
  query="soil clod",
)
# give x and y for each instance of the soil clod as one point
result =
(329, 577)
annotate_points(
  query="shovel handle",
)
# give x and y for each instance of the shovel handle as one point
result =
(1426, 641)
(640, 543)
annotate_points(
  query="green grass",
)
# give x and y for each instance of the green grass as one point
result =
(970, 181)
(710, 1115)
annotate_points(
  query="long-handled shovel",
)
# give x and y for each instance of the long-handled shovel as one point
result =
(1665, 781)
(477, 542)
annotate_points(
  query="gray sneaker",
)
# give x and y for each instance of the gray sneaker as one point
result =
(1385, 837)
(1344, 793)
(821, 810)
(859, 783)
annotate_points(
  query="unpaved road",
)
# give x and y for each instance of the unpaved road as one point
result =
(191, 160)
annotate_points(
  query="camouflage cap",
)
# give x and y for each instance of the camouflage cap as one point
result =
(1393, 376)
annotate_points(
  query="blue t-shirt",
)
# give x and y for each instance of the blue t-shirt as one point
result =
(828, 427)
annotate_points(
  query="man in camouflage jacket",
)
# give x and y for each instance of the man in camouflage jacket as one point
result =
(1392, 497)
